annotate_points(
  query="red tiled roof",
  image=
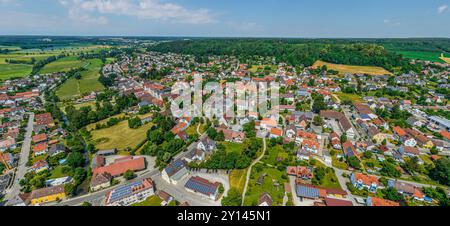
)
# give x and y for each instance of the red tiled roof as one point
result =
(44, 119)
(40, 147)
(383, 202)
(120, 167)
(399, 131)
(367, 179)
(39, 138)
(276, 131)
(307, 135)
(179, 127)
(445, 134)
(337, 202)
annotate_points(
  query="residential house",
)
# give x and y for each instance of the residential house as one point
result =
(409, 151)
(407, 189)
(311, 146)
(206, 144)
(349, 150)
(39, 138)
(58, 181)
(175, 172)
(56, 149)
(302, 172)
(101, 181)
(232, 136)
(7, 144)
(265, 200)
(335, 141)
(40, 166)
(275, 133)
(361, 181)
(40, 149)
(375, 201)
(46, 195)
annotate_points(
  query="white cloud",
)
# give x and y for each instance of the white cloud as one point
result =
(94, 11)
(442, 9)
(390, 22)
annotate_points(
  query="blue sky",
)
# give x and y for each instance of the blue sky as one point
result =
(228, 18)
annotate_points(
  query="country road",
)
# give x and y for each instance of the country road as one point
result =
(249, 171)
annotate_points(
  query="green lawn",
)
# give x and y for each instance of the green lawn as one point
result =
(233, 147)
(349, 97)
(417, 55)
(8, 71)
(150, 201)
(62, 65)
(57, 173)
(273, 154)
(273, 176)
(330, 180)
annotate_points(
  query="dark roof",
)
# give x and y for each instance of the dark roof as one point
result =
(202, 185)
(176, 166)
(307, 191)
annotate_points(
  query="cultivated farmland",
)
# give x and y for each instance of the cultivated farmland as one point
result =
(350, 69)
(73, 88)
(62, 65)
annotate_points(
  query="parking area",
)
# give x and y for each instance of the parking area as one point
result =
(180, 193)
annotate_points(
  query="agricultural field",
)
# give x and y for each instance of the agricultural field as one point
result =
(426, 56)
(120, 136)
(62, 65)
(351, 69)
(445, 58)
(8, 71)
(262, 68)
(88, 83)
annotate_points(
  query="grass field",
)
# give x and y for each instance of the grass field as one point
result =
(150, 201)
(73, 88)
(255, 191)
(120, 136)
(237, 179)
(92, 126)
(347, 96)
(261, 68)
(8, 71)
(350, 69)
(233, 147)
(62, 65)
(427, 56)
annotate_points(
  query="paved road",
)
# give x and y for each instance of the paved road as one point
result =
(97, 198)
(249, 171)
(22, 168)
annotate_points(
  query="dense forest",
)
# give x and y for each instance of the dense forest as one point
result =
(294, 52)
